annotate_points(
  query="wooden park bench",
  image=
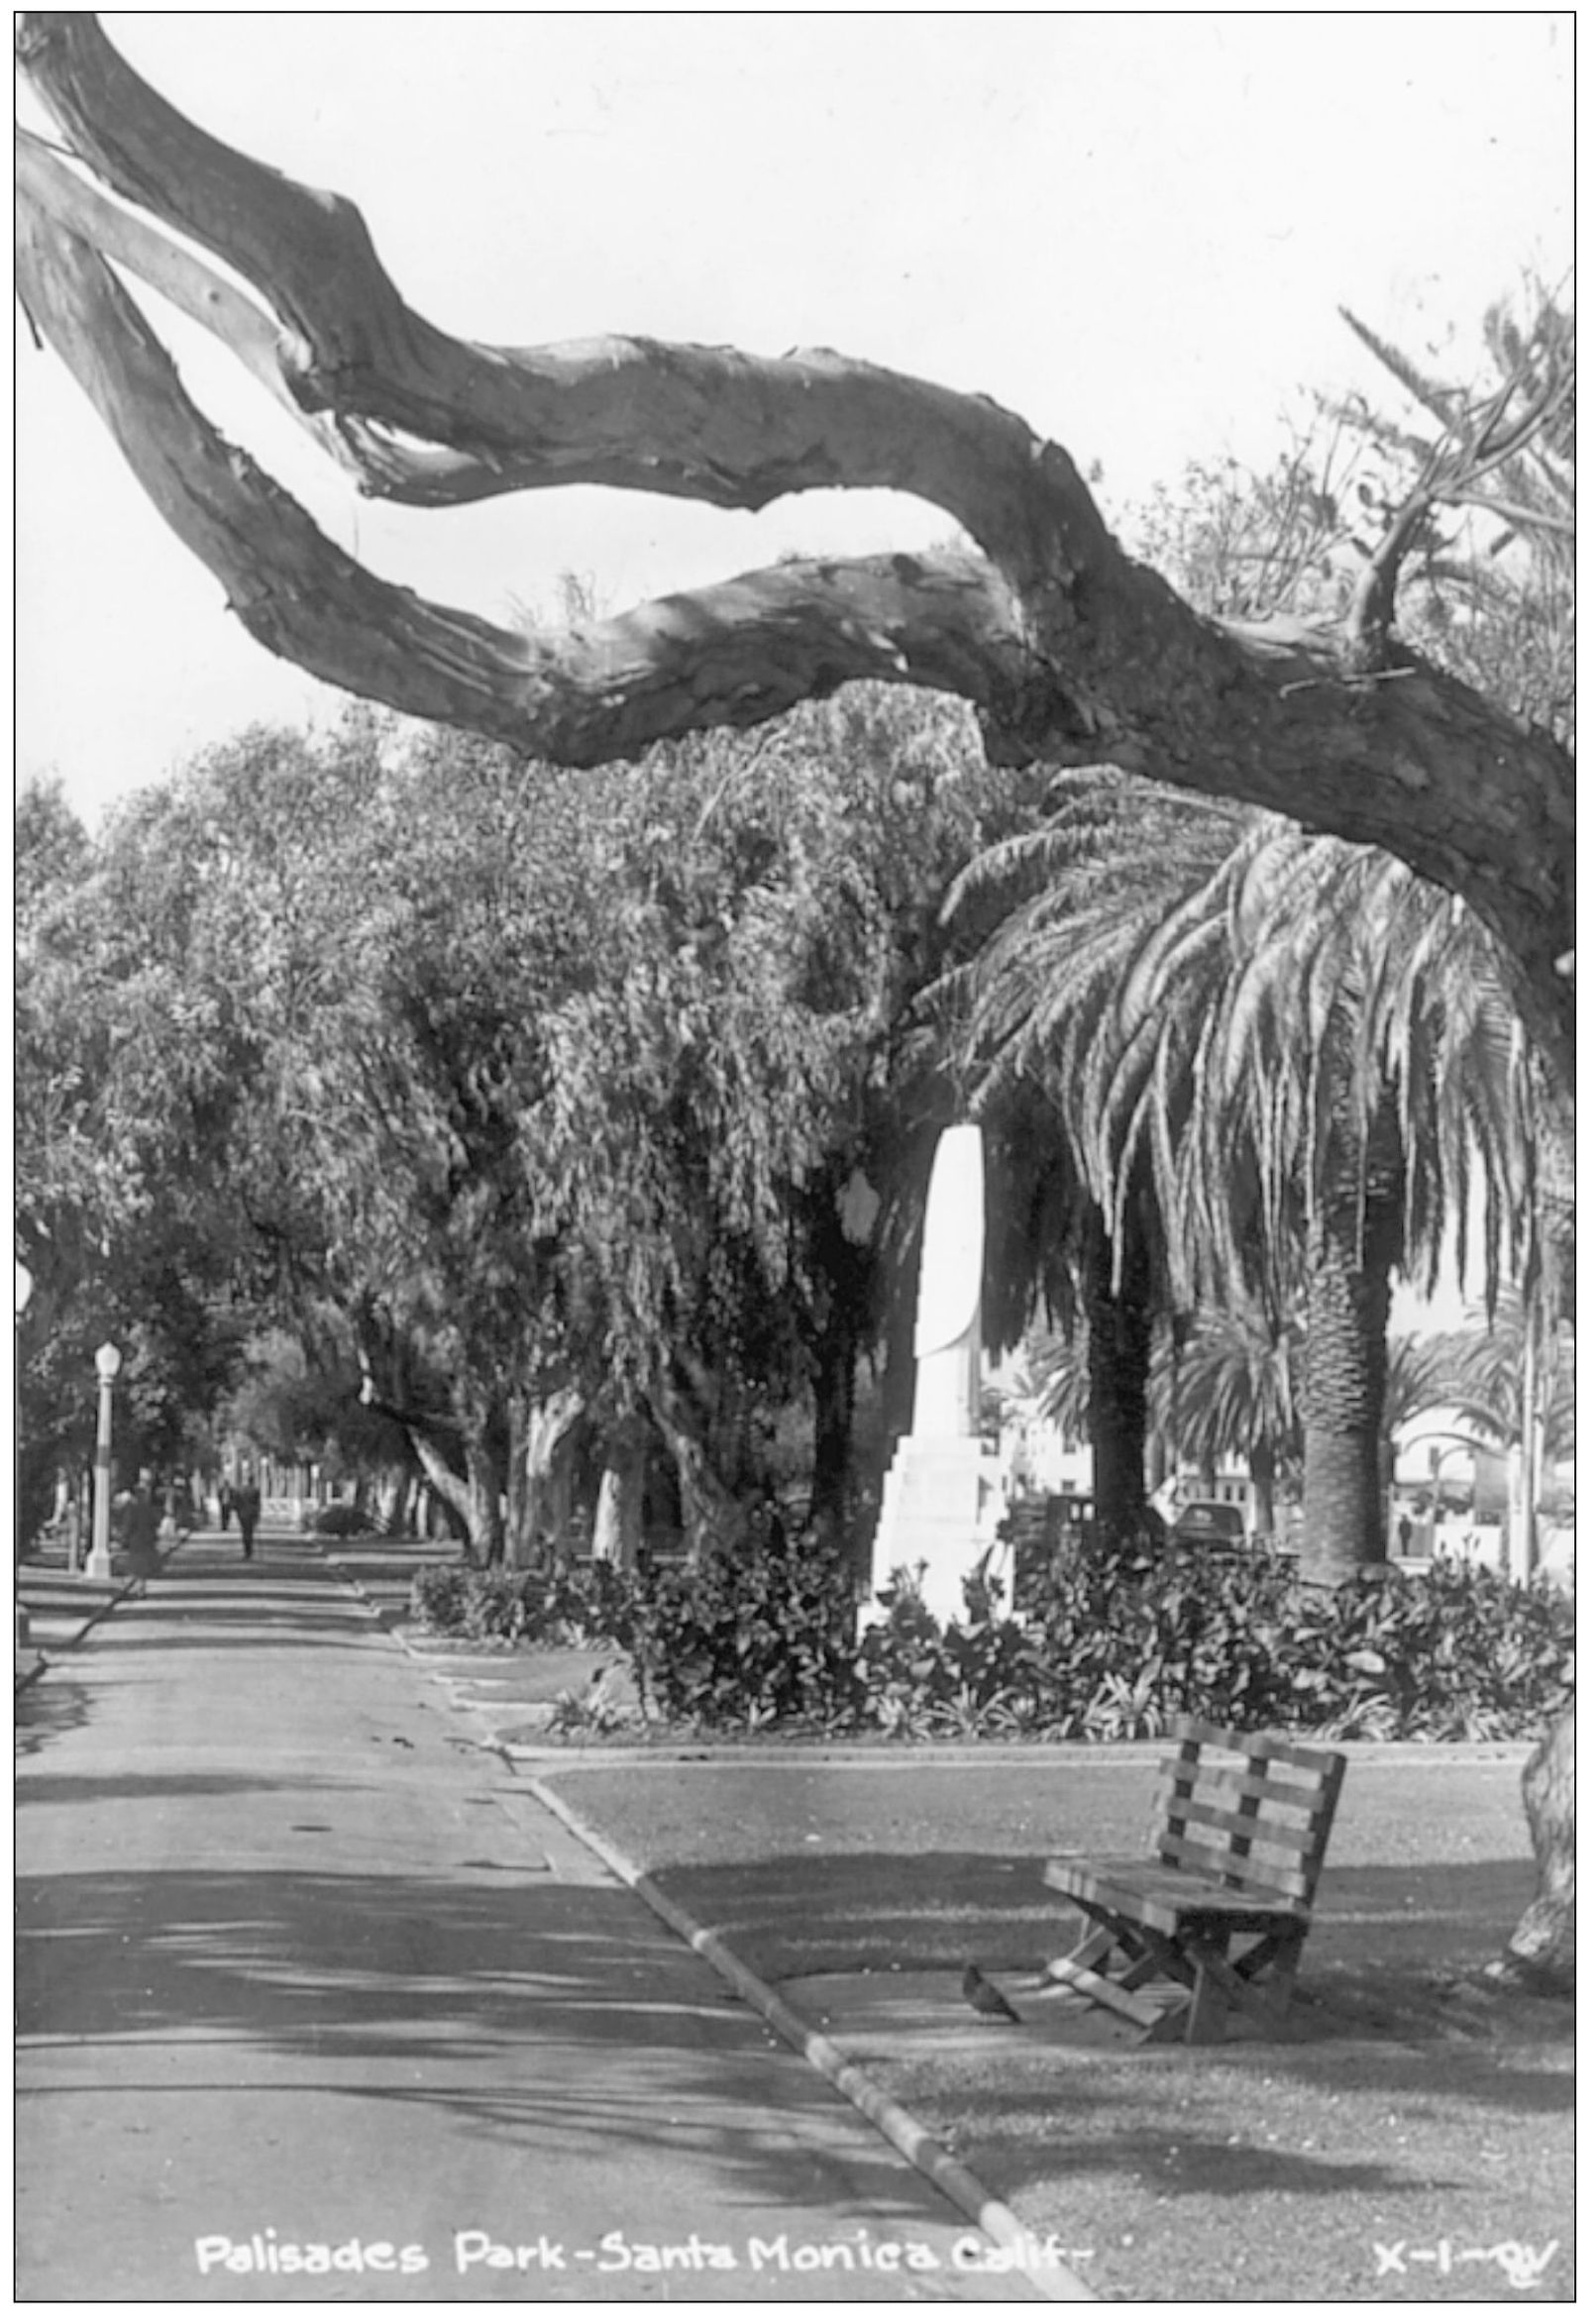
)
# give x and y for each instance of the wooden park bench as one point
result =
(1243, 1821)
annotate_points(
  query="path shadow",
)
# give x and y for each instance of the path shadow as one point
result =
(417, 1990)
(51, 1704)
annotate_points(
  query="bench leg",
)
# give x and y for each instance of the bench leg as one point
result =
(1212, 2000)
(1077, 1972)
(1222, 1986)
(1269, 1969)
(1145, 2012)
(1098, 1943)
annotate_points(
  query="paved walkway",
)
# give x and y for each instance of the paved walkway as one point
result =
(316, 2002)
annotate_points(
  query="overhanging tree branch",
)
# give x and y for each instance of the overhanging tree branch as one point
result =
(1072, 651)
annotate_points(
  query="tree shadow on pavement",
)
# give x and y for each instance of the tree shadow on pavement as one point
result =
(48, 1708)
(450, 1991)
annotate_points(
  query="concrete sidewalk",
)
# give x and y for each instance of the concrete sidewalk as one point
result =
(315, 1998)
(58, 1605)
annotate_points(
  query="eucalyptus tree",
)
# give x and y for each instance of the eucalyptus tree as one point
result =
(66, 1197)
(1075, 652)
(117, 1109)
(590, 1096)
(746, 1099)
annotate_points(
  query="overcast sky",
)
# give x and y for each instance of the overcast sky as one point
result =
(1133, 230)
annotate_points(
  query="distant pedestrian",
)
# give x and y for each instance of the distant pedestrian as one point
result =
(224, 1502)
(140, 1528)
(246, 1506)
(1404, 1531)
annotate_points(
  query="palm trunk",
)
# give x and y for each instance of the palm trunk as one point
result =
(1261, 1473)
(1353, 1243)
(1119, 1359)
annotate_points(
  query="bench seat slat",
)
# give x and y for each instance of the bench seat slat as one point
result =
(1134, 1880)
(1171, 1900)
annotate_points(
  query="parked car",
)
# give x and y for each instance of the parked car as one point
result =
(1210, 1523)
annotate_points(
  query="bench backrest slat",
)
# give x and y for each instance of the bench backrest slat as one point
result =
(1299, 1793)
(1248, 1874)
(1280, 1751)
(1247, 1809)
(1272, 1830)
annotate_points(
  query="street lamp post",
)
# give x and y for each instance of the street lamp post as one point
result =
(107, 1361)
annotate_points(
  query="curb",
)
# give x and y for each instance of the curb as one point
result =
(964, 2190)
(1054, 2281)
(931, 1756)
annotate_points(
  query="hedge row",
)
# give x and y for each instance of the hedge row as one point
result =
(1118, 1644)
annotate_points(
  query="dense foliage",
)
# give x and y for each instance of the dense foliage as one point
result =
(376, 1080)
(409, 1108)
(1118, 1644)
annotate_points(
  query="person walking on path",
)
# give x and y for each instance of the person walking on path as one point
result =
(140, 1528)
(246, 1506)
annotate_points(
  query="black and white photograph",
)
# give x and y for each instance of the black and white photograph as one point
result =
(794, 1157)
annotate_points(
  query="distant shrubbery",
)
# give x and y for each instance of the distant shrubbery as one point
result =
(595, 1604)
(1118, 1644)
(342, 1521)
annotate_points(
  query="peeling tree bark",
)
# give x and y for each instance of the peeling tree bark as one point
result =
(1541, 1952)
(1072, 653)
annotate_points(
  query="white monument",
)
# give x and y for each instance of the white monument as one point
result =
(935, 1523)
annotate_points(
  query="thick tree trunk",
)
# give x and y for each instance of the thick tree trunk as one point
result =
(538, 1505)
(1541, 1954)
(1119, 1323)
(837, 1359)
(398, 1489)
(618, 1522)
(474, 1498)
(712, 1513)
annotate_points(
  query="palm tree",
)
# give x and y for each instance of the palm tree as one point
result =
(1291, 1052)
(1087, 1241)
(1226, 1384)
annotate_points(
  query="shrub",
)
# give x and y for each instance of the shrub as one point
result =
(1119, 1643)
(748, 1639)
(591, 1605)
(1124, 1639)
(438, 1596)
(342, 1521)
